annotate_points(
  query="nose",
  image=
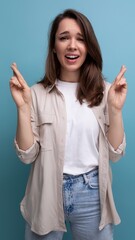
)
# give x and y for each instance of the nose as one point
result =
(72, 44)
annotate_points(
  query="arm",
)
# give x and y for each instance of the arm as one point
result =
(22, 96)
(24, 135)
(116, 98)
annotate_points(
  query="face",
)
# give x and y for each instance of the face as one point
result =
(70, 47)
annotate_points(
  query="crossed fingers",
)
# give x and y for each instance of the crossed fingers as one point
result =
(17, 79)
(120, 80)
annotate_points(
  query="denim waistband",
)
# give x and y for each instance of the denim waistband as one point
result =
(91, 173)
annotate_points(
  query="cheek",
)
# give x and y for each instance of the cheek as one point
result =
(84, 54)
(59, 52)
(59, 56)
(83, 50)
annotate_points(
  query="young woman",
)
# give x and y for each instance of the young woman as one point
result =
(69, 127)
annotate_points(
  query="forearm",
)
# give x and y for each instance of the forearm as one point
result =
(115, 132)
(24, 134)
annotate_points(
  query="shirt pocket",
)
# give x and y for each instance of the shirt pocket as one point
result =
(45, 124)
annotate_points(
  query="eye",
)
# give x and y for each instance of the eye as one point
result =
(80, 39)
(64, 38)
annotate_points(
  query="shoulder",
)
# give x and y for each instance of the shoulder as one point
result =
(38, 94)
(38, 87)
(107, 86)
(103, 103)
(38, 90)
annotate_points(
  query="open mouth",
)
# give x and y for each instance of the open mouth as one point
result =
(72, 57)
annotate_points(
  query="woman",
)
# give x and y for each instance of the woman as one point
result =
(69, 127)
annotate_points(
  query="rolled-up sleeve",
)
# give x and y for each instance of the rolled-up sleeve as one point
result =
(115, 155)
(29, 155)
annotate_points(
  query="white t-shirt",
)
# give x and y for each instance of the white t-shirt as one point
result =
(81, 149)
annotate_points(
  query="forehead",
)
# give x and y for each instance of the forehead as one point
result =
(68, 25)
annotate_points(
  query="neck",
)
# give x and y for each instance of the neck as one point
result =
(70, 76)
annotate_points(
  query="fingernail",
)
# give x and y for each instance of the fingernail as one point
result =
(13, 64)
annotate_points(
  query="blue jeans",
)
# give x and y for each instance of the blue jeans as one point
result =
(81, 208)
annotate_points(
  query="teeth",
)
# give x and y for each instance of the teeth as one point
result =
(72, 57)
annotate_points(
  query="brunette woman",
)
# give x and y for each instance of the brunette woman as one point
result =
(69, 128)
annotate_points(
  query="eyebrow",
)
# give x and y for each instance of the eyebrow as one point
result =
(67, 32)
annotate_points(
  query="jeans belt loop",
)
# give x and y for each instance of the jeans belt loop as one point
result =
(86, 180)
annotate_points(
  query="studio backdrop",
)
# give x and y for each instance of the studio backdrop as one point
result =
(24, 28)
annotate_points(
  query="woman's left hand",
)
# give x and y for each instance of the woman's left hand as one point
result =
(118, 91)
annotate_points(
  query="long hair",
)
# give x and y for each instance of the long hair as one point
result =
(91, 83)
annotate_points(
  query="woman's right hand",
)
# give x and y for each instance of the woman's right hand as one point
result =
(19, 89)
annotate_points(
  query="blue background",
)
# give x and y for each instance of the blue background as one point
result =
(23, 39)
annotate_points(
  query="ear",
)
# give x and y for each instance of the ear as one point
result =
(54, 51)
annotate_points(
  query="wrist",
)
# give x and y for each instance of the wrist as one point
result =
(114, 111)
(25, 109)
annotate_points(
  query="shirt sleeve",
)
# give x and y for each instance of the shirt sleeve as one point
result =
(30, 155)
(115, 155)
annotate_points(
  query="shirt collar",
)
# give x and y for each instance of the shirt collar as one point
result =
(49, 88)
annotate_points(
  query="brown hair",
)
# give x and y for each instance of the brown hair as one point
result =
(91, 84)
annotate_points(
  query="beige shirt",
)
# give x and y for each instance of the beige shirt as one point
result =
(42, 205)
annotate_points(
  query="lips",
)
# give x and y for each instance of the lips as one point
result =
(71, 57)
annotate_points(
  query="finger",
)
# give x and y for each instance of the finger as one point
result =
(15, 82)
(123, 84)
(18, 75)
(14, 64)
(121, 74)
(122, 81)
(16, 71)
